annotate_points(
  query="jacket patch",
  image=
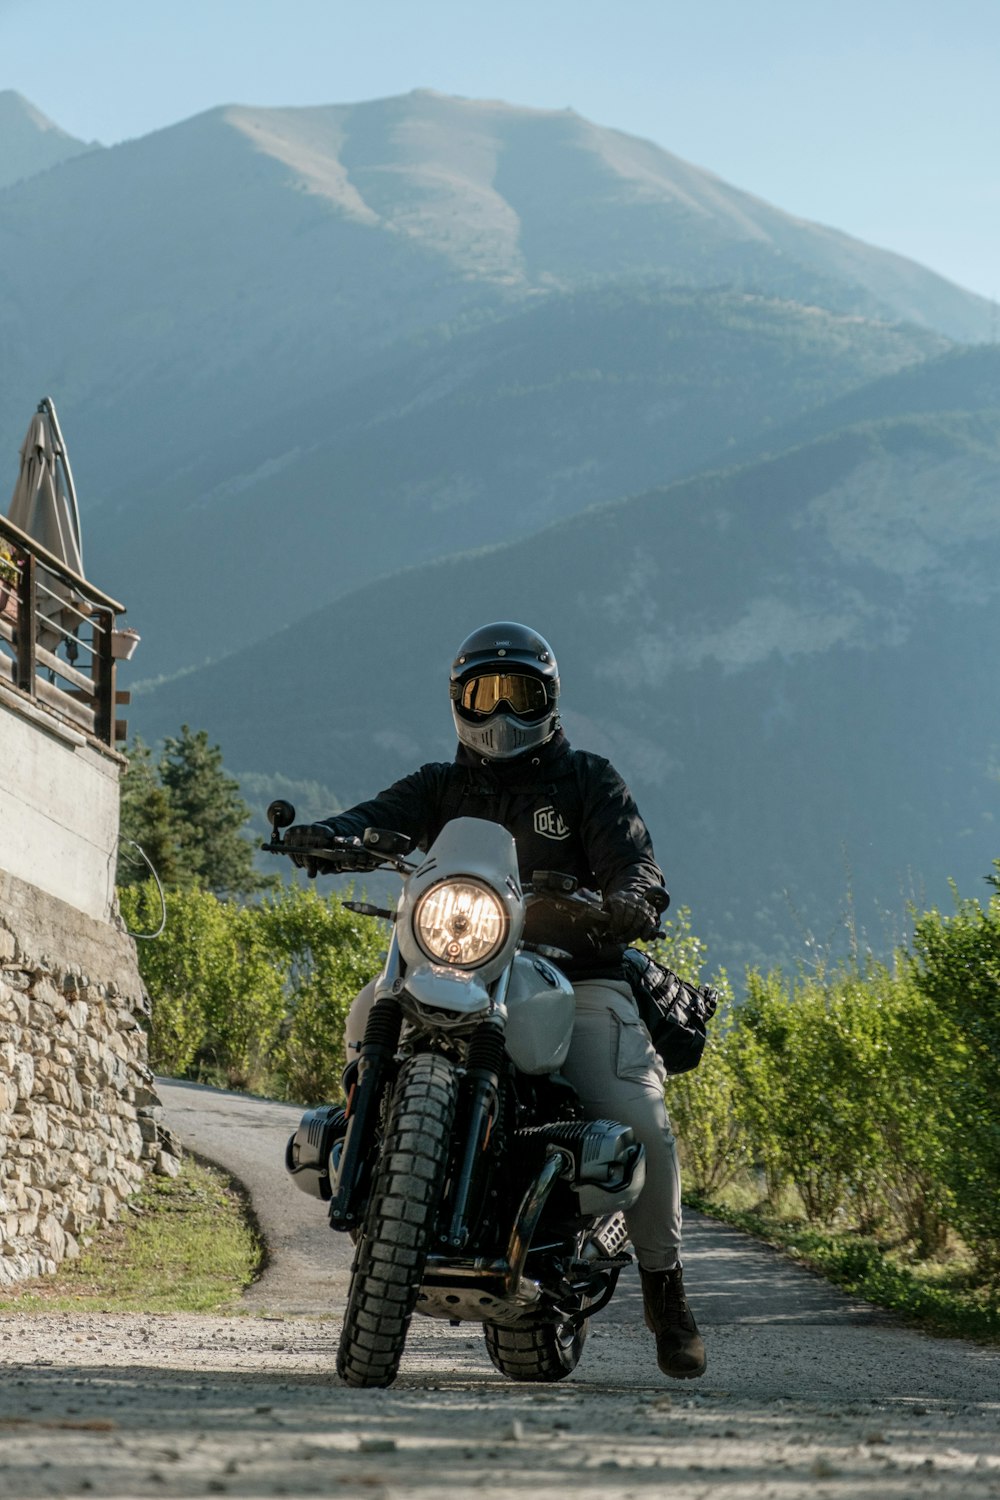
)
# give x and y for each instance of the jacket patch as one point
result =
(550, 824)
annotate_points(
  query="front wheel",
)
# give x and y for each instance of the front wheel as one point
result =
(399, 1225)
(539, 1351)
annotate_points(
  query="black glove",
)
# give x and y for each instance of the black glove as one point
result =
(631, 916)
(306, 836)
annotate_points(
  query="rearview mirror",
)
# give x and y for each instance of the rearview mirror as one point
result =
(280, 814)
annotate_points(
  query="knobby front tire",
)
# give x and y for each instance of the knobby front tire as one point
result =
(399, 1225)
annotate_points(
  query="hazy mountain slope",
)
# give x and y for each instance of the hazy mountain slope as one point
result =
(538, 195)
(958, 380)
(29, 141)
(483, 437)
(791, 663)
(207, 273)
(188, 284)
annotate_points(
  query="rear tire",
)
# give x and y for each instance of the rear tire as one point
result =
(399, 1225)
(538, 1351)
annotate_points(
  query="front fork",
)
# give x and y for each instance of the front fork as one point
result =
(376, 1067)
(478, 1107)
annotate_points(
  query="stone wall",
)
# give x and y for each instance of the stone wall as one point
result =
(79, 1118)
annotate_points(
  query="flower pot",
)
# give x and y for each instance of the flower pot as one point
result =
(123, 643)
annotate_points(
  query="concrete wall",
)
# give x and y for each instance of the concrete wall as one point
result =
(58, 807)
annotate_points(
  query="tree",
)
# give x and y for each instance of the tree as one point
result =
(209, 816)
(147, 819)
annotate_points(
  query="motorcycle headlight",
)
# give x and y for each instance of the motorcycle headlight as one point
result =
(460, 922)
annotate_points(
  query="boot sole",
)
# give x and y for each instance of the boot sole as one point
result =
(684, 1374)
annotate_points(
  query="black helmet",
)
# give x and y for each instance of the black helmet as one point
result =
(504, 691)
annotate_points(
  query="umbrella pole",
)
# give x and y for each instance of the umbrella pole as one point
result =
(48, 405)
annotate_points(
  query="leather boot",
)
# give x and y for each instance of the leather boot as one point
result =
(680, 1351)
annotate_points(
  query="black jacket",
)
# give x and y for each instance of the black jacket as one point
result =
(566, 809)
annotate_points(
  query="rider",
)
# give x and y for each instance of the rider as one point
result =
(571, 811)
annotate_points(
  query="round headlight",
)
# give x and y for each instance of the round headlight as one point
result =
(460, 922)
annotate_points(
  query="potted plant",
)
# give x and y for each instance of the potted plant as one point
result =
(9, 578)
(124, 642)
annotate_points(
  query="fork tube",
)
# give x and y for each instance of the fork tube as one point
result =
(377, 1053)
(482, 1078)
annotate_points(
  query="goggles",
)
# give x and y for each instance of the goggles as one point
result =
(524, 695)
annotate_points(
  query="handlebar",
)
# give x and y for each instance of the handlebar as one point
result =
(342, 856)
(382, 849)
(580, 906)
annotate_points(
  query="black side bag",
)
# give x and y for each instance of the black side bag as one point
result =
(674, 1012)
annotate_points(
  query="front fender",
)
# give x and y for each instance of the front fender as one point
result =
(454, 990)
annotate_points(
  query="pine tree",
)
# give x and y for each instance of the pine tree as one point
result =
(147, 819)
(209, 815)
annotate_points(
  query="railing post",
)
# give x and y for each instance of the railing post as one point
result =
(26, 627)
(104, 677)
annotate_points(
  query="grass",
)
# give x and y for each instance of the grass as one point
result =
(939, 1296)
(183, 1244)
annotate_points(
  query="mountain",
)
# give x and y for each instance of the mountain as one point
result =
(29, 142)
(323, 331)
(219, 269)
(223, 266)
(791, 663)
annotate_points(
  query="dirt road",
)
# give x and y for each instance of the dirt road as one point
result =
(807, 1394)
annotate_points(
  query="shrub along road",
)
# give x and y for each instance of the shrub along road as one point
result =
(807, 1392)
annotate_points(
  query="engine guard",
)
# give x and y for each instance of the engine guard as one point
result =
(474, 1292)
(498, 1291)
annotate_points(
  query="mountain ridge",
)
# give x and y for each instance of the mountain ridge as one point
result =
(30, 142)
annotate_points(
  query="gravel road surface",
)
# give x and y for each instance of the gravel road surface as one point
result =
(807, 1392)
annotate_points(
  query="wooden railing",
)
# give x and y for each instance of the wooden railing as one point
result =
(57, 637)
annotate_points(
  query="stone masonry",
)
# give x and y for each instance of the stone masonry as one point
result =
(80, 1122)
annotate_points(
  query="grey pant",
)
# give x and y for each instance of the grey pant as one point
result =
(618, 1076)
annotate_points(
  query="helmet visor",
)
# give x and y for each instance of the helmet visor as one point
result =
(524, 695)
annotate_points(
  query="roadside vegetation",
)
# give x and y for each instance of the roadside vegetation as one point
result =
(851, 1116)
(848, 1112)
(250, 979)
(184, 1244)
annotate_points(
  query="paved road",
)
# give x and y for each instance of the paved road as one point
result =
(732, 1278)
(808, 1395)
(771, 1328)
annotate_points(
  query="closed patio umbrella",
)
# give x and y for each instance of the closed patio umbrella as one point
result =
(44, 505)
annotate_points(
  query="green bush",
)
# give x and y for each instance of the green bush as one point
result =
(253, 997)
(715, 1143)
(956, 967)
(838, 1084)
(326, 955)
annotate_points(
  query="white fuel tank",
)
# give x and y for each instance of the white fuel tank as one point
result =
(540, 1012)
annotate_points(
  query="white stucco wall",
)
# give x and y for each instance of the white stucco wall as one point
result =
(58, 808)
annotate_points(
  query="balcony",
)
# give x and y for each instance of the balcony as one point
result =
(58, 640)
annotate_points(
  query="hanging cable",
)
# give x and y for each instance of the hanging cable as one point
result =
(148, 936)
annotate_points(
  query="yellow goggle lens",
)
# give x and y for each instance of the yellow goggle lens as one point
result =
(525, 695)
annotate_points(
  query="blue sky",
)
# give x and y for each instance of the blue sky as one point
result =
(881, 118)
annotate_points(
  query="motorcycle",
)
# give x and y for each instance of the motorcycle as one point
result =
(462, 1165)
